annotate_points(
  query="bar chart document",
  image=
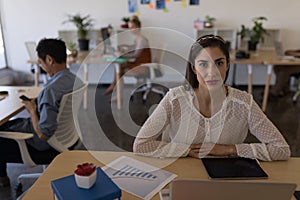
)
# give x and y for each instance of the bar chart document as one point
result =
(138, 178)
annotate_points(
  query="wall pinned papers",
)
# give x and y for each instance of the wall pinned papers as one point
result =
(158, 4)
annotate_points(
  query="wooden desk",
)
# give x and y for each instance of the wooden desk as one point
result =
(12, 104)
(270, 62)
(189, 168)
(265, 57)
(96, 57)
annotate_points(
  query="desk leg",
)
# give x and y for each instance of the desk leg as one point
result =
(249, 78)
(37, 73)
(267, 86)
(86, 80)
(119, 86)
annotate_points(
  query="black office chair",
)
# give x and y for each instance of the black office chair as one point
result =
(153, 71)
(296, 78)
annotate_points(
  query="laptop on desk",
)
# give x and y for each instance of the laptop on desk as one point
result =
(216, 190)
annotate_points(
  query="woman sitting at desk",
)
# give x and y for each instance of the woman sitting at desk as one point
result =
(206, 118)
(141, 54)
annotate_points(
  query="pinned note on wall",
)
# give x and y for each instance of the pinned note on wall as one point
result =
(194, 2)
(160, 4)
(145, 1)
(183, 3)
(132, 6)
(151, 6)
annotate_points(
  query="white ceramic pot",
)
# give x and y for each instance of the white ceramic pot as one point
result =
(86, 181)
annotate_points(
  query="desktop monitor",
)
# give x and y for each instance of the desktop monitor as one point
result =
(105, 38)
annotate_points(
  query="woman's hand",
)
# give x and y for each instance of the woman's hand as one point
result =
(223, 150)
(194, 150)
(209, 150)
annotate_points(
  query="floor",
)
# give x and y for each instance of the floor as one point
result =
(106, 128)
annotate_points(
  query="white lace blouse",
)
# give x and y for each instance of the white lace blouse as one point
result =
(176, 124)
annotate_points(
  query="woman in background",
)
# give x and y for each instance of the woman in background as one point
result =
(141, 54)
(206, 118)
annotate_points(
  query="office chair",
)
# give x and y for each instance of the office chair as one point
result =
(154, 71)
(66, 136)
(295, 78)
(31, 50)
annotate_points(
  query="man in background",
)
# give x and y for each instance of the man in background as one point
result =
(43, 110)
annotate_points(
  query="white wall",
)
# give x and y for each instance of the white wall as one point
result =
(35, 19)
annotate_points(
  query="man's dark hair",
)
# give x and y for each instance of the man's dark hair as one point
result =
(55, 48)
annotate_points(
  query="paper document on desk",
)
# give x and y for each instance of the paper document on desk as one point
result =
(138, 178)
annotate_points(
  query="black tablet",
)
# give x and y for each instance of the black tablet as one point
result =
(233, 168)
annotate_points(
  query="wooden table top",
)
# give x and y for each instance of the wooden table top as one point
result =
(187, 168)
(12, 104)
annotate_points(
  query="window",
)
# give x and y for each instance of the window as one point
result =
(3, 61)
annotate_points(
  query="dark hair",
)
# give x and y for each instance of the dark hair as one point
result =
(135, 20)
(197, 47)
(55, 48)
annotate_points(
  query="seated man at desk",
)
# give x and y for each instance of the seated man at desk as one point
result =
(207, 118)
(141, 53)
(283, 73)
(43, 110)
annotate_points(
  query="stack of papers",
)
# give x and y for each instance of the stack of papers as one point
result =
(138, 178)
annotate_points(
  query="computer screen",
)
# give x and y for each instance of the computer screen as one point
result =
(105, 36)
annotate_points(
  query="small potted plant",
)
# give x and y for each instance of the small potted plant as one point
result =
(72, 48)
(85, 175)
(125, 20)
(209, 21)
(83, 24)
(255, 34)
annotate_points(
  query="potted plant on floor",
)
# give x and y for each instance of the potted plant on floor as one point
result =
(83, 24)
(255, 34)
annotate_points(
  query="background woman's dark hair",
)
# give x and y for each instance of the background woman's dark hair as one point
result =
(197, 47)
(136, 21)
(56, 48)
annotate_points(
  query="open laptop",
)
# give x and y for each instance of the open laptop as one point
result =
(233, 190)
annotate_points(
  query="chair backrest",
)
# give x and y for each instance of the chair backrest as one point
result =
(31, 46)
(68, 130)
(157, 59)
(158, 54)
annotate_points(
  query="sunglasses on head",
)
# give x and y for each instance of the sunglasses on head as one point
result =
(211, 36)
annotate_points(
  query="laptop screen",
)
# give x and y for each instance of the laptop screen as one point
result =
(278, 48)
(216, 190)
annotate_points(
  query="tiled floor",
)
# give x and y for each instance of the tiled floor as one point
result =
(105, 128)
